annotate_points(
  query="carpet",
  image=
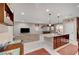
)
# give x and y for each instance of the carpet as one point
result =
(41, 51)
(68, 50)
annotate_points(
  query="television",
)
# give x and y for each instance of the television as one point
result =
(24, 30)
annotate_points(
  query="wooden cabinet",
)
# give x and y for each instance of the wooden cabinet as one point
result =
(6, 15)
(78, 32)
(1, 13)
(78, 29)
(60, 40)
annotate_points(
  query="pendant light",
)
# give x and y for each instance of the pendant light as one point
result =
(58, 16)
(49, 14)
(50, 19)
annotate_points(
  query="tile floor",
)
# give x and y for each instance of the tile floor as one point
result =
(41, 51)
(32, 46)
(36, 46)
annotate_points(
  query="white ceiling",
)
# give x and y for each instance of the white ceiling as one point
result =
(36, 13)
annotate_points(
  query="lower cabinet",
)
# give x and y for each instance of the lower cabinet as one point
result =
(60, 40)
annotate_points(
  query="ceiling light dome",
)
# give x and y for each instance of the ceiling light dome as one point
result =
(22, 13)
(47, 10)
(77, 5)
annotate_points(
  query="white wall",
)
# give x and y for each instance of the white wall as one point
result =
(3, 28)
(6, 33)
(33, 29)
(71, 28)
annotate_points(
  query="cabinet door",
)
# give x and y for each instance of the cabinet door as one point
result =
(63, 41)
(78, 33)
(78, 29)
(54, 43)
(1, 12)
(58, 42)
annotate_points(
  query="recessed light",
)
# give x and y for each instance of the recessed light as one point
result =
(58, 14)
(22, 13)
(77, 5)
(47, 10)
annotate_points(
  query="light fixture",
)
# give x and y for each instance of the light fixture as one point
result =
(47, 10)
(49, 24)
(22, 13)
(77, 5)
(58, 16)
(49, 19)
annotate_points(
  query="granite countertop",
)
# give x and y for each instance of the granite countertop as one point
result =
(50, 35)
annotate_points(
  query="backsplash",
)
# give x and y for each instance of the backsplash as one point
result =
(3, 28)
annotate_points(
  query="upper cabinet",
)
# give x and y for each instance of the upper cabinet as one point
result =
(6, 15)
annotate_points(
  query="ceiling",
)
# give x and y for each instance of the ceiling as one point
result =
(36, 12)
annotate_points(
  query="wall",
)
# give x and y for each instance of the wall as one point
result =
(3, 28)
(6, 33)
(70, 28)
(33, 29)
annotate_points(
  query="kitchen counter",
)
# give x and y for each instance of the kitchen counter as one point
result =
(50, 35)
